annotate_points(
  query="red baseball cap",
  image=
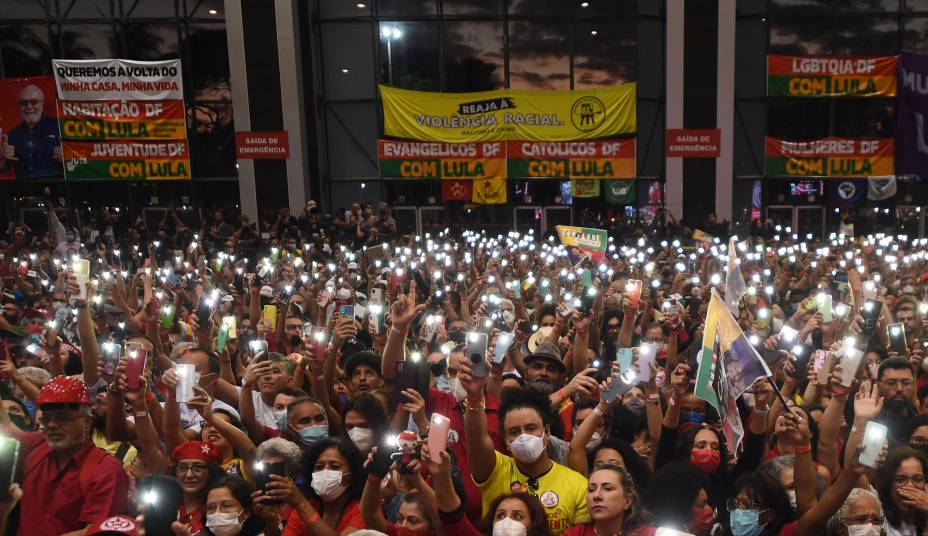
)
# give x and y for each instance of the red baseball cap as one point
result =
(115, 525)
(196, 450)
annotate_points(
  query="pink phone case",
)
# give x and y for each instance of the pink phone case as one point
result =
(438, 436)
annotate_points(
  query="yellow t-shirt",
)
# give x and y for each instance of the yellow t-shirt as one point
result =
(112, 447)
(562, 491)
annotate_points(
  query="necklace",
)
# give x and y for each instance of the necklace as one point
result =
(597, 533)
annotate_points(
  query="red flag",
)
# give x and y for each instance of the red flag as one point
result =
(454, 190)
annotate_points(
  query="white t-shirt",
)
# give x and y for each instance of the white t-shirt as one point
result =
(264, 413)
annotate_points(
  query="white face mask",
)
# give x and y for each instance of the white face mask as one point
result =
(508, 526)
(527, 448)
(594, 441)
(363, 438)
(328, 484)
(508, 316)
(457, 389)
(224, 524)
(791, 493)
(863, 530)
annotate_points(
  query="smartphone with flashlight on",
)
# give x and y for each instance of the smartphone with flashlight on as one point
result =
(204, 311)
(136, 357)
(9, 461)
(316, 339)
(870, 312)
(476, 352)
(897, 342)
(438, 436)
(633, 291)
(263, 472)
(647, 354)
(873, 442)
(162, 496)
(787, 338)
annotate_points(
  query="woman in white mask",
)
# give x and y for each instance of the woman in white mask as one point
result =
(336, 478)
(364, 420)
(228, 509)
(860, 515)
(511, 514)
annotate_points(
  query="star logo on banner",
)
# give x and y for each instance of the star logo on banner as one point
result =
(205, 448)
(457, 189)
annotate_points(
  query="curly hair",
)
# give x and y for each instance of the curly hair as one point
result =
(835, 522)
(538, 519)
(355, 466)
(763, 489)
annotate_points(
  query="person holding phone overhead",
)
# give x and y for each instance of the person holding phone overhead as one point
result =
(68, 483)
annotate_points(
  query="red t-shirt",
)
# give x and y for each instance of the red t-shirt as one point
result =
(52, 502)
(351, 517)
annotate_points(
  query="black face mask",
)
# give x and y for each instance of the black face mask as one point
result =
(922, 448)
(295, 340)
(457, 336)
(99, 422)
(20, 422)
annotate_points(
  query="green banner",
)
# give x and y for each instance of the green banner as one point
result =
(620, 192)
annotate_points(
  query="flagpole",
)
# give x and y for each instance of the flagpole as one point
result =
(779, 394)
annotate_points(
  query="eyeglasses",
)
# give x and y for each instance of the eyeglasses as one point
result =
(613, 326)
(224, 506)
(28, 102)
(863, 520)
(295, 326)
(892, 384)
(195, 468)
(743, 504)
(916, 441)
(916, 480)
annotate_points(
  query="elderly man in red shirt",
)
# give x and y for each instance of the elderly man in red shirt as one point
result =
(68, 483)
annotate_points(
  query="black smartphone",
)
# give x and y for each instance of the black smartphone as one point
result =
(9, 461)
(161, 495)
(870, 312)
(801, 353)
(262, 473)
(587, 301)
(204, 311)
(897, 342)
(411, 375)
(239, 282)
(526, 328)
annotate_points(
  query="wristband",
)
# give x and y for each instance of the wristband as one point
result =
(313, 518)
(149, 396)
(562, 393)
(398, 331)
(761, 412)
(597, 411)
(802, 449)
(140, 413)
(583, 331)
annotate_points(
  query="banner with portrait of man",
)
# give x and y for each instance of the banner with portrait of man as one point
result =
(30, 142)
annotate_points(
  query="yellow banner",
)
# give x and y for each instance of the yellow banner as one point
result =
(508, 114)
(489, 192)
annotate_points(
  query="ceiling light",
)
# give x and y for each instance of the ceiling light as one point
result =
(345, 71)
(213, 12)
(594, 32)
(584, 4)
(361, 6)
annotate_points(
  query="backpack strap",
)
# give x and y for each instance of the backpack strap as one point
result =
(122, 451)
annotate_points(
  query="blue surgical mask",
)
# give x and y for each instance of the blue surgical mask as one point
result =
(745, 522)
(281, 418)
(314, 434)
(30, 407)
(442, 384)
(692, 416)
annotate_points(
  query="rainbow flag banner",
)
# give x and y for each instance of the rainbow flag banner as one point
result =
(831, 76)
(829, 157)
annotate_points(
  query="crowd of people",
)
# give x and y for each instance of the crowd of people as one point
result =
(323, 376)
